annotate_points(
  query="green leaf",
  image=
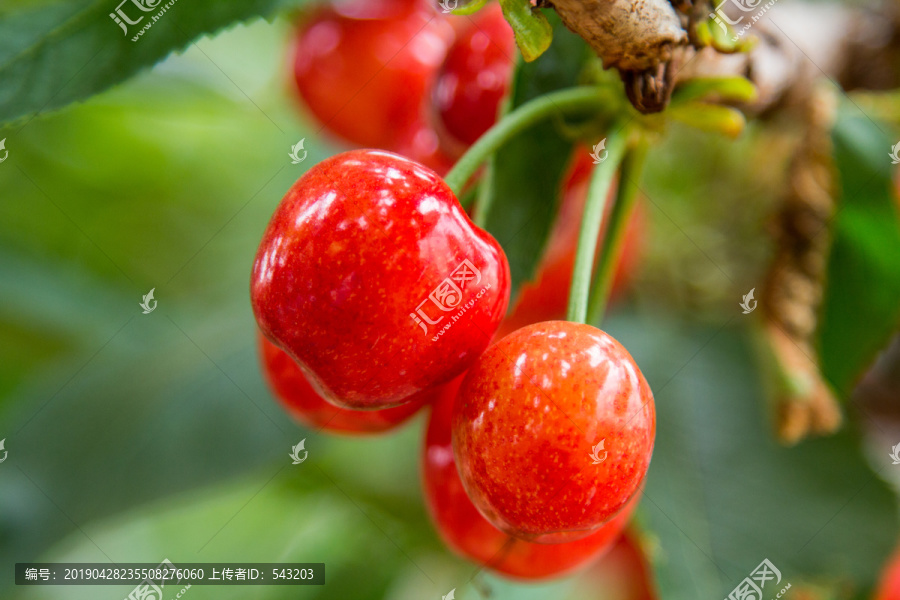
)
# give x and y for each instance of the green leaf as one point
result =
(532, 29)
(525, 175)
(54, 55)
(862, 296)
(722, 494)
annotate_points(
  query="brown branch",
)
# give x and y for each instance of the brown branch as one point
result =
(630, 35)
(648, 42)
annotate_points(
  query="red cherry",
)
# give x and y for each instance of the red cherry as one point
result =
(889, 584)
(364, 72)
(530, 414)
(294, 392)
(547, 296)
(625, 572)
(421, 143)
(375, 281)
(468, 533)
(475, 78)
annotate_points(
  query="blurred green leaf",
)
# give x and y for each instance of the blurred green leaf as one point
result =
(862, 295)
(53, 55)
(525, 175)
(166, 182)
(533, 31)
(373, 548)
(722, 495)
(289, 514)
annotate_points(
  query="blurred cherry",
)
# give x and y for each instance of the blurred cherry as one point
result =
(474, 78)
(364, 68)
(420, 143)
(889, 585)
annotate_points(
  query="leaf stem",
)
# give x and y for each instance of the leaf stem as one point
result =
(611, 252)
(563, 101)
(591, 222)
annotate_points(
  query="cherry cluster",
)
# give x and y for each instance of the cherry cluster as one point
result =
(397, 75)
(377, 296)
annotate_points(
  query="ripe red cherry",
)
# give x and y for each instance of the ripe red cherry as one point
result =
(527, 418)
(546, 297)
(474, 78)
(468, 533)
(375, 281)
(364, 72)
(303, 403)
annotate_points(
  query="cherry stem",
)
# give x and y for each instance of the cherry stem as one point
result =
(591, 224)
(613, 240)
(560, 102)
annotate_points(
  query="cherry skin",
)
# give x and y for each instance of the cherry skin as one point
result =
(303, 403)
(469, 534)
(526, 420)
(474, 78)
(547, 296)
(363, 69)
(373, 279)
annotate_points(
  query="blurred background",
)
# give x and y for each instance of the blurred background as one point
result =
(138, 437)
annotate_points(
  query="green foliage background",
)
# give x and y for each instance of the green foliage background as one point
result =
(138, 437)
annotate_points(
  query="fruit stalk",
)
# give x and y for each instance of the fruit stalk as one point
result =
(566, 101)
(613, 241)
(591, 223)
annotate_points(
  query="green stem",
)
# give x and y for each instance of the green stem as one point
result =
(485, 196)
(613, 240)
(565, 101)
(591, 223)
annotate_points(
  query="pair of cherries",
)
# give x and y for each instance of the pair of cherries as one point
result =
(376, 294)
(397, 75)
